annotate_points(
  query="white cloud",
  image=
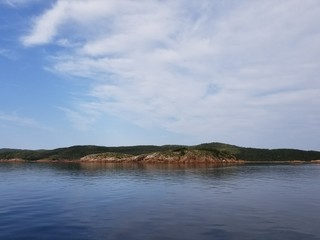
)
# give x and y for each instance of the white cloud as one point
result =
(46, 26)
(70, 14)
(208, 68)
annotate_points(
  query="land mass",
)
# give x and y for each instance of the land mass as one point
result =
(202, 153)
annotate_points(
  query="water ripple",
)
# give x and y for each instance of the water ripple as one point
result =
(45, 201)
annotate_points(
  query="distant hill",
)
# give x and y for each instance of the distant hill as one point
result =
(7, 150)
(216, 149)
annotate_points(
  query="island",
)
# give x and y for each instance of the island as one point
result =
(218, 153)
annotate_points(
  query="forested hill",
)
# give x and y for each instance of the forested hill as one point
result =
(258, 154)
(241, 153)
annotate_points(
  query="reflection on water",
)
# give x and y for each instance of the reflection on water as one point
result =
(131, 201)
(127, 166)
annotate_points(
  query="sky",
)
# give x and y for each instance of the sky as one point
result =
(133, 72)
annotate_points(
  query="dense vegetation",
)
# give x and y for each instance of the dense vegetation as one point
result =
(256, 154)
(76, 152)
(218, 149)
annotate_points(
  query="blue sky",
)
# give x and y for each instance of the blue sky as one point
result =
(110, 72)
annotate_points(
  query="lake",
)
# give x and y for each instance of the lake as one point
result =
(101, 201)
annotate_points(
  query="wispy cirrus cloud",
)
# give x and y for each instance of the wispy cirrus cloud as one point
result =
(82, 117)
(17, 3)
(15, 119)
(208, 68)
(8, 53)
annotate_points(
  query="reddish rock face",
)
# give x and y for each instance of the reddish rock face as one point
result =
(185, 156)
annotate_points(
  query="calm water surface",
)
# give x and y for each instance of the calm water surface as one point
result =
(90, 201)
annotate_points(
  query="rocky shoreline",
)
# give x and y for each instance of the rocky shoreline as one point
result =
(187, 158)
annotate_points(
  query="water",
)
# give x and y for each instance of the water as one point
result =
(90, 201)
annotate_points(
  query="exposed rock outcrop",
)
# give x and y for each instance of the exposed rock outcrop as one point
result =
(173, 156)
